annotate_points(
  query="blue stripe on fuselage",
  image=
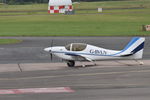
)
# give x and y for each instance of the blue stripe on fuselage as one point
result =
(113, 55)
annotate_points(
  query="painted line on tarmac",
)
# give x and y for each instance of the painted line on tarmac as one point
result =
(73, 75)
(37, 90)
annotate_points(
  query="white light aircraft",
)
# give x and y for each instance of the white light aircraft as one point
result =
(81, 52)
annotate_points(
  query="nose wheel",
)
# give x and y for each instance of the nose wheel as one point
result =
(71, 63)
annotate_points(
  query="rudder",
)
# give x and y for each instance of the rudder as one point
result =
(135, 48)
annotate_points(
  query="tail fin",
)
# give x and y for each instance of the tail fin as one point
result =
(134, 49)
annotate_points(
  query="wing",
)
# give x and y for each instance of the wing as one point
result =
(78, 57)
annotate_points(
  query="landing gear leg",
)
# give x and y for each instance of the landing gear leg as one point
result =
(94, 64)
(71, 63)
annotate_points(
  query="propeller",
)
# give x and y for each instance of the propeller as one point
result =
(52, 43)
(51, 54)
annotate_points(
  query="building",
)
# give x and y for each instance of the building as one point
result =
(60, 6)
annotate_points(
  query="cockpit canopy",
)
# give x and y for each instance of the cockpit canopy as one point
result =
(76, 46)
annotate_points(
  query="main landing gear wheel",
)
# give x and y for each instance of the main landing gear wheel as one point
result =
(70, 63)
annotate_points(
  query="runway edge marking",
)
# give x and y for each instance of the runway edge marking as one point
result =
(37, 90)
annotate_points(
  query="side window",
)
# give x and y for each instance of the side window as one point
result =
(78, 46)
(75, 46)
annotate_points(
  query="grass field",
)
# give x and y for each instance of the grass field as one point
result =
(116, 22)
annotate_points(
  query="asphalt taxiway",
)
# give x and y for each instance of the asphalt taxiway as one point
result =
(31, 49)
(26, 72)
(22, 67)
(90, 83)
